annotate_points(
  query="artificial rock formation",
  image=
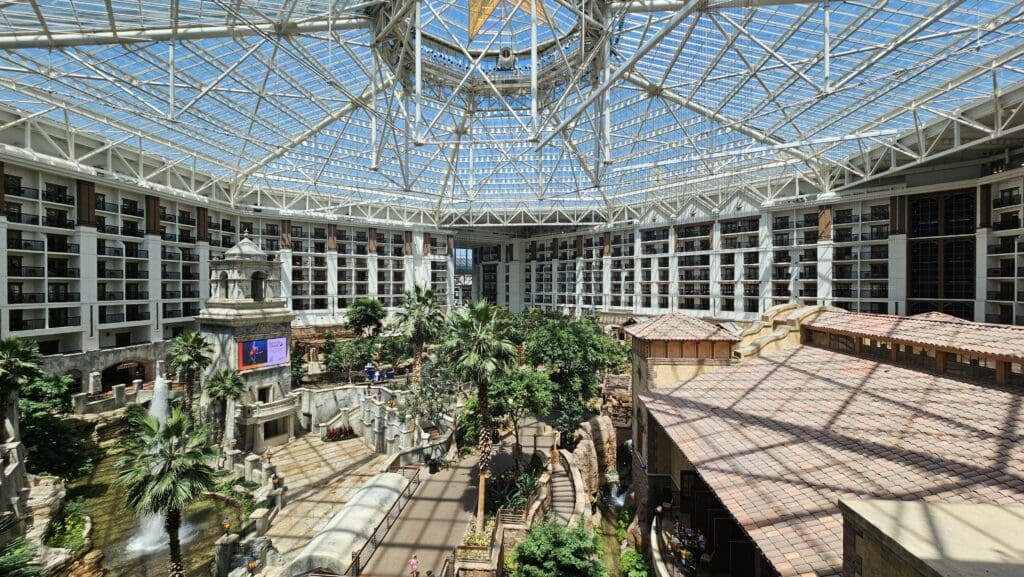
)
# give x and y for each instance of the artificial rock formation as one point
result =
(601, 432)
(585, 456)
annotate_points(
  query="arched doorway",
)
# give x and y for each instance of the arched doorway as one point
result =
(124, 373)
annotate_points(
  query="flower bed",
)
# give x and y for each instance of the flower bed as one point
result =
(338, 434)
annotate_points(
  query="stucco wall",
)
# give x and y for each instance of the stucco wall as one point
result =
(91, 361)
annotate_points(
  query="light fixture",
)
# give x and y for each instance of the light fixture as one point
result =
(226, 525)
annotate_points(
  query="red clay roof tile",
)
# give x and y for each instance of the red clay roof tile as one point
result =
(780, 438)
(677, 326)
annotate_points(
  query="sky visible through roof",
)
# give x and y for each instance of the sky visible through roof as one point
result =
(726, 98)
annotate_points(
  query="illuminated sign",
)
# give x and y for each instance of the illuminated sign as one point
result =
(262, 353)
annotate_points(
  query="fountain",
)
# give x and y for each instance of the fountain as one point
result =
(151, 536)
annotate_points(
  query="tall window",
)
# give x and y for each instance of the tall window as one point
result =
(224, 285)
(258, 282)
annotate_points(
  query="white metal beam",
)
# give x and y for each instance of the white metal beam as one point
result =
(18, 40)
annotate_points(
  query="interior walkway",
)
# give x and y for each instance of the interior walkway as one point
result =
(435, 520)
(319, 478)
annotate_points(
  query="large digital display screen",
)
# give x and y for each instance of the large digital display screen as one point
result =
(262, 353)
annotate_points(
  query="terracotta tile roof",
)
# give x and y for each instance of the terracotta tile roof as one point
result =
(780, 438)
(982, 339)
(937, 316)
(676, 326)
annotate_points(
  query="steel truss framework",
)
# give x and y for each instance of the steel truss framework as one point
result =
(601, 111)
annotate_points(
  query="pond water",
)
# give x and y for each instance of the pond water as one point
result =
(114, 525)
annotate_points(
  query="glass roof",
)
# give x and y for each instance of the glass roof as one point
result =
(633, 101)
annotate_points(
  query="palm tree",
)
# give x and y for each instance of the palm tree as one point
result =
(164, 470)
(190, 355)
(420, 320)
(19, 365)
(222, 385)
(478, 350)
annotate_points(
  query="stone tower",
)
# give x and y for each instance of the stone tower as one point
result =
(248, 323)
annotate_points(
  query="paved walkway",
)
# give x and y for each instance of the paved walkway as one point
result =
(320, 477)
(435, 519)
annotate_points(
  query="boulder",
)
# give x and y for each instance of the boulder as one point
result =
(602, 433)
(585, 456)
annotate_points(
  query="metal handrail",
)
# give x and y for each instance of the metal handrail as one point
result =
(363, 555)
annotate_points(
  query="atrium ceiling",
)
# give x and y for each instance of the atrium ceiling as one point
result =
(497, 107)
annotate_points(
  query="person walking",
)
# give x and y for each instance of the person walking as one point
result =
(414, 566)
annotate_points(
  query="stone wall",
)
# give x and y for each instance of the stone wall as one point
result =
(81, 364)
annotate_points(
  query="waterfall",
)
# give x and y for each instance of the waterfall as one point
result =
(617, 496)
(151, 536)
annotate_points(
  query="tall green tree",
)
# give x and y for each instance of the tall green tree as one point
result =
(19, 366)
(575, 353)
(55, 445)
(519, 393)
(553, 550)
(365, 316)
(223, 385)
(349, 356)
(478, 349)
(164, 470)
(420, 320)
(190, 354)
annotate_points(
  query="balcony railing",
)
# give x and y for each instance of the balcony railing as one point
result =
(22, 191)
(109, 318)
(110, 273)
(170, 255)
(190, 275)
(136, 273)
(27, 324)
(25, 298)
(59, 197)
(170, 294)
(1004, 201)
(172, 314)
(132, 210)
(57, 322)
(1006, 224)
(137, 295)
(137, 253)
(111, 296)
(186, 220)
(22, 217)
(63, 272)
(133, 231)
(845, 218)
(112, 251)
(59, 222)
(170, 275)
(137, 316)
(63, 246)
(106, 206)
(63, 297)
(19, 244)
(106, 228)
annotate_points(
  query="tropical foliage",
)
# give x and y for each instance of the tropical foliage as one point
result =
(420, 321)
(348, 357)
(576, 354)
(55, 445)
(519, 393)
(222, 386)
(365, 316)
(16, 560)
(552, 550)
(435, 396)
(633, 564)
(190, 356)
(477, 348)
(19, 366)
(297, 359)
(164, 470)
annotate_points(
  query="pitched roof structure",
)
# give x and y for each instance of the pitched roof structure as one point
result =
(677, 326)
(780, 438)
(988, 340)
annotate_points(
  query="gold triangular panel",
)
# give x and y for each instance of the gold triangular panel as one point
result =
(481, 10)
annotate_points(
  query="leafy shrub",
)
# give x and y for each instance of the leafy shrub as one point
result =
(16, 558)
(633, 564)
(66, 532)
(552, 549)
(625, 518)
(479, 537)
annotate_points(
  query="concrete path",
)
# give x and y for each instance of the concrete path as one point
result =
(320, 477)
(435, 520)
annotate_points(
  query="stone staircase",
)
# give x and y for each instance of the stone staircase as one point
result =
(563, 496)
